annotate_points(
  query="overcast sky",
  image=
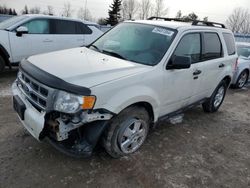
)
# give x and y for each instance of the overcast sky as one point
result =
(216, 10)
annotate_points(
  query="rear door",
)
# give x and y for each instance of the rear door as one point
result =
(211, 65)
(67, 34)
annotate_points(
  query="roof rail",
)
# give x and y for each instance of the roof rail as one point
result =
(211, 24)
(166, 19)
(194, 22)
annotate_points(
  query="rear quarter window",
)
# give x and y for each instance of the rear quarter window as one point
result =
(229, 40)
(83, 29)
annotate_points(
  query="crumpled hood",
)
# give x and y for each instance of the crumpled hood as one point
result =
(85, 67)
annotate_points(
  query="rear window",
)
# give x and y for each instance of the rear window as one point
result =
(229, 39)
(64, 27)
(212, 46)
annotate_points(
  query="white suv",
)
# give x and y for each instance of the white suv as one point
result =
(23, 36)
(137, 74)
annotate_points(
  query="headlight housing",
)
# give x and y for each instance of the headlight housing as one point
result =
(71, 103)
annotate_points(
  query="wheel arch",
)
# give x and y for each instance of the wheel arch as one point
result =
(5, 55)
(228, 80)
(248, 71)
(147, 106)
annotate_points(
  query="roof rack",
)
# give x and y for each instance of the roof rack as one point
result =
(166, 19)
(211, 24)
(194, 22)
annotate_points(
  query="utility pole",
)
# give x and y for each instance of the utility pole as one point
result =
(85, 12)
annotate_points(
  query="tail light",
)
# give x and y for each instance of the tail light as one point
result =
(236, 64)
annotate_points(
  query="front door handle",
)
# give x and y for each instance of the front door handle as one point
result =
(197, 72)
(221, 65)
(48, 40)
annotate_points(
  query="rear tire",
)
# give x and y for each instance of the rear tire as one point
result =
(126, 132)
(2, 64)
(242, 80)
(215, 101)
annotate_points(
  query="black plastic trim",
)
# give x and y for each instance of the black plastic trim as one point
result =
(172, 114)
(91, 135)
(6, 54)
(51, 80)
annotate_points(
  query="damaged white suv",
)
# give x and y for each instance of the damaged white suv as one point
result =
(112, 91)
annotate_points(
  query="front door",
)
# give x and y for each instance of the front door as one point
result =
(38, 40)
(181, 85)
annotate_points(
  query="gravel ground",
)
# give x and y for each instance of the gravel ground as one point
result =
(206, 150)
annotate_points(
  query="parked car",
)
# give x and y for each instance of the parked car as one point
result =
(241, 75)
(135, 75)
(26, 35)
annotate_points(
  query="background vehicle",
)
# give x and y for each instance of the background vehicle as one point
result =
(26, 35)
(241, 75)
(135, 75)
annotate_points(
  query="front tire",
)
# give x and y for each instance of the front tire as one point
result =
(126, 132)
(215, 101)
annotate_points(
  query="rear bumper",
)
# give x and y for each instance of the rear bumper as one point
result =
(33, 119)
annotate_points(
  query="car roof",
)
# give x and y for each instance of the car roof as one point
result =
(178, 25)
(50, 16)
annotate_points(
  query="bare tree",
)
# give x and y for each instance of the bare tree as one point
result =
(179, 14)
(145, 7)
(67, 10)
(84, 14)
(49, 11)
(239, 21)
(160, 9)
(129, 9)
(35, 10)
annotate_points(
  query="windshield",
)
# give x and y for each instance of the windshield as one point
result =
(243, 51)
(11, 21)
(140, 43)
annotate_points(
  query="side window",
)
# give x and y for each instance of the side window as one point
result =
(86, 29)
(212, 47)
(64, 27)
(39, 26)
(229, 39)
(190, 45)
(83, 29)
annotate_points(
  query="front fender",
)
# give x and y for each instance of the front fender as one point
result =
(128, 96)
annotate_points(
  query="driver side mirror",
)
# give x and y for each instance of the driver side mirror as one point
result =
(21, 30)
(179, 62)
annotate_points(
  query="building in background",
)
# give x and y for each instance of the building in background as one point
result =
(242, 37)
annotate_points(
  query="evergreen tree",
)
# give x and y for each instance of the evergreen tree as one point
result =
(14, 12)
(25, 10)
(114, 13)
(10, 11)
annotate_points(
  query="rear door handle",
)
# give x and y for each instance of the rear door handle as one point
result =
(221, 65)
(48, 40)
(197, 72)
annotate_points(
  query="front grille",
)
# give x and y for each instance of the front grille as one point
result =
(36, 93)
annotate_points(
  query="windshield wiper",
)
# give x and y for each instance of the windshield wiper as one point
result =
(114, 54)
(98, 49)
